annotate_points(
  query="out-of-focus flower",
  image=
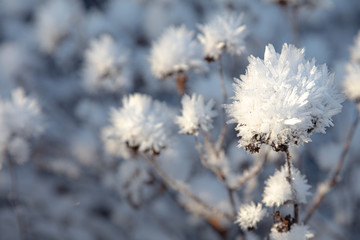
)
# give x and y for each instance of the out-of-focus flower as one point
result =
(141, 123)
(278, 189)
(195, 114)
(176, 51)
(249, 215)
(222, 34)
(282, 99)
(55, 21)
(297, 232)
(352, 81)
(104, 66)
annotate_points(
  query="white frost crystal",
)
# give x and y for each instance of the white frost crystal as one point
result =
(195, 114)
(141, 123)
(176, 51)
(104, 66)
(278, 190)
(223, 34)
(297, 232)
(282, 99)
(249, 215)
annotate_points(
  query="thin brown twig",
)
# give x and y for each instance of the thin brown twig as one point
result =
(222, 135)
(290, 179)
(334, 179)
(181, 189)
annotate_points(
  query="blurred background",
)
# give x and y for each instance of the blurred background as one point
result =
(71, 188)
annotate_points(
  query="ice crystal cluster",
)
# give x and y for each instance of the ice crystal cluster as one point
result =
(56, 19)
(223, 34)
(104, 66)
(282, 99)
(196, 114)
(297, 232)
(176, 51)
(142, 123)
(278, 189)
(249, 215)
(20, 119)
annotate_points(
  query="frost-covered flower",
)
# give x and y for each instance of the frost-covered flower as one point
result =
(176, 51)
(55, 20)
(20, 119)
(223, 34)
(282, 99)
(355, 49)
(141, 123)
(297, 232)
(104, 66)
(249, 215)
(278, 189)
(352, 81)
(195, 114)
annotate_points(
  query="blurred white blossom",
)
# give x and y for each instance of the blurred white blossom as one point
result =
(278, 189)
(223, 34)
(297, 232)
(176, 51)
(105, 66)
(249, 215)
(282, 99)
(141, 123)
(195, 114)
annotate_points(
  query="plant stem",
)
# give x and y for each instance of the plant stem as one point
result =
(222, 135)
(290, 179)
(334, 179)
(13, 196)
(178, 187)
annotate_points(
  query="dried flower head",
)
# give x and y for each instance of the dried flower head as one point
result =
(104, 66)
(278, 189)
(141, 123)
(249, 215)
(195, 114)
(223, 34)
(176, 51)
(297, 232)
(282, 99)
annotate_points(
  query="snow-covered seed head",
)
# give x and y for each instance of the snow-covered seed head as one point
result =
(195, 114)
(141, 123)
(278, 189)
(104, 66)
(223, 34)
(176, 51)
(282, 99)
(352, 82)
(296, 232)
(249, 215)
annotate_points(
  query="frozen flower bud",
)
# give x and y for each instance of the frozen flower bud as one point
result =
(249, 215)
(223, 34)
(282, 99)
(20, 116)
(297, 232)
(278, 189)
(355, 49)
(55, 21)
(176, 51)
(195, 114)
(352, 82)
(141, 123)
(105, 68)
